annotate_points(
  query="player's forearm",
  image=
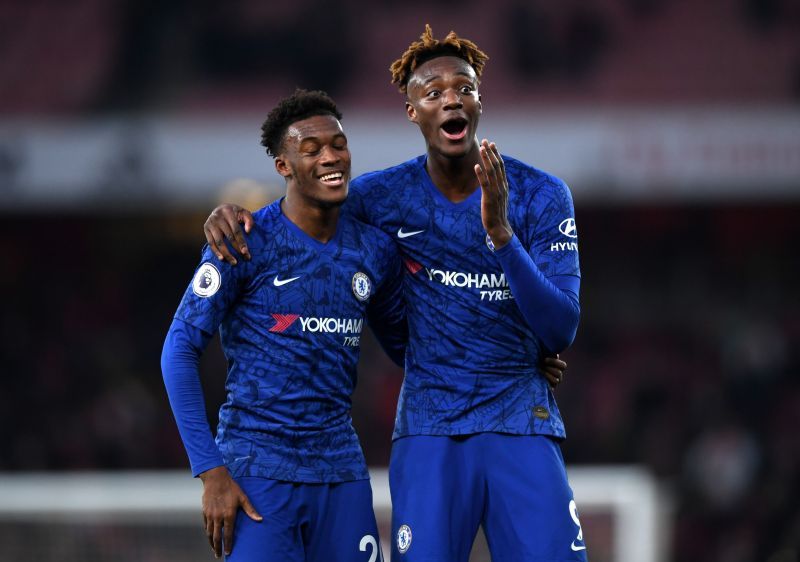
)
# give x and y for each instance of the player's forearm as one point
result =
(180, 363)
(552, 312)
(393, 340)
(386, 313)
(390, 327)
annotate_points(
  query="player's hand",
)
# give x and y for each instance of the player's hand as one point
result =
(491, 174)
(222, 498)
(222, 224)
(554, 370)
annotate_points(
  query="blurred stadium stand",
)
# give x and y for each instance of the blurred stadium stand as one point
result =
(676, 123)
(90, 55)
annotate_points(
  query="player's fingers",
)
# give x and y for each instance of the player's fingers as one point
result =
(246, 217)
(227, 224)
(216, 242)
(226, 212)
(217, 537)
(223, 249)
(496, 170)
(497, 162)
(491, 153)
(239, 242)
(232, 231)
(487, 163)
(218, 245)
(555, 362)
(501, 166)
(482, 179)
(209, 527)
(226, 219)
(227, 533)
(205, 524)
(488, 183)
(553, 374)
(248, 508)
(211, 238)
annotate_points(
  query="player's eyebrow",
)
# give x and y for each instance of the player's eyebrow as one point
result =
(437, 76)
(317, 139)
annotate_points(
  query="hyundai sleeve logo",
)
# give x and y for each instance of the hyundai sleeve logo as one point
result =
(567, 228)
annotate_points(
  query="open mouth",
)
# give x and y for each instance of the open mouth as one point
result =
(455, 129)
(332, 179)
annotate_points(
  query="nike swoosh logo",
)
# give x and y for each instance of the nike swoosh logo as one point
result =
(576, 548)
(401, 234)
(278, 282)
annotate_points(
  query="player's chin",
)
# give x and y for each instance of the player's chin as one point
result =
(332, 198)
(454, 149)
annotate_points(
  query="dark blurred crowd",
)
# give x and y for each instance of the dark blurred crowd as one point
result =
(686, 360)
(87, 56)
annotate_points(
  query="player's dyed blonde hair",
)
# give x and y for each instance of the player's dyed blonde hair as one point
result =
(428, 48)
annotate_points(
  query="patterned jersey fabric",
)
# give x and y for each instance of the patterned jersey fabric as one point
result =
(290, 321)
(472, 360)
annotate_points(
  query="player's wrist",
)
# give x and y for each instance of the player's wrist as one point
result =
(500, 236)
(215, 473)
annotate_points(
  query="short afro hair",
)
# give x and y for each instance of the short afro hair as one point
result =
(427, 48)
(302, 104)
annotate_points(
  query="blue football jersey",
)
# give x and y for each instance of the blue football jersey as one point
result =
(290, 322)
(472, 363)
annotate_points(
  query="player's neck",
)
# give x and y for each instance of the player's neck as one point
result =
(454, 177)
(318, 221)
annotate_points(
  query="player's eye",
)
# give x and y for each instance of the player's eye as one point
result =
(433, 94)
(467, 90)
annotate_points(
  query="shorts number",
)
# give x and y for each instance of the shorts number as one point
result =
(369, 540)
(573, 512)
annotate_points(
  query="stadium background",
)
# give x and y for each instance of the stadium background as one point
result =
(676, 124)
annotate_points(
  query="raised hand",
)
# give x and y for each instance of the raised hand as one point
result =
(222, 224)
(222, 498)
(491, 174)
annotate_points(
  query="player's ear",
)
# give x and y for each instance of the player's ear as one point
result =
(411, 111)
(282, 166)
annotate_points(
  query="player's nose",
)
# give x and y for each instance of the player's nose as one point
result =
(329, 155)
(452, 99)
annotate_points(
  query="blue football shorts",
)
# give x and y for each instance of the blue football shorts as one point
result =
(515, 486)
(306, 522)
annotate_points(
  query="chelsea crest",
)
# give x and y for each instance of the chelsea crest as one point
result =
(362, 286)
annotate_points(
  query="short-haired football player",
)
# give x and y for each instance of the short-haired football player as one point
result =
(286, 478)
